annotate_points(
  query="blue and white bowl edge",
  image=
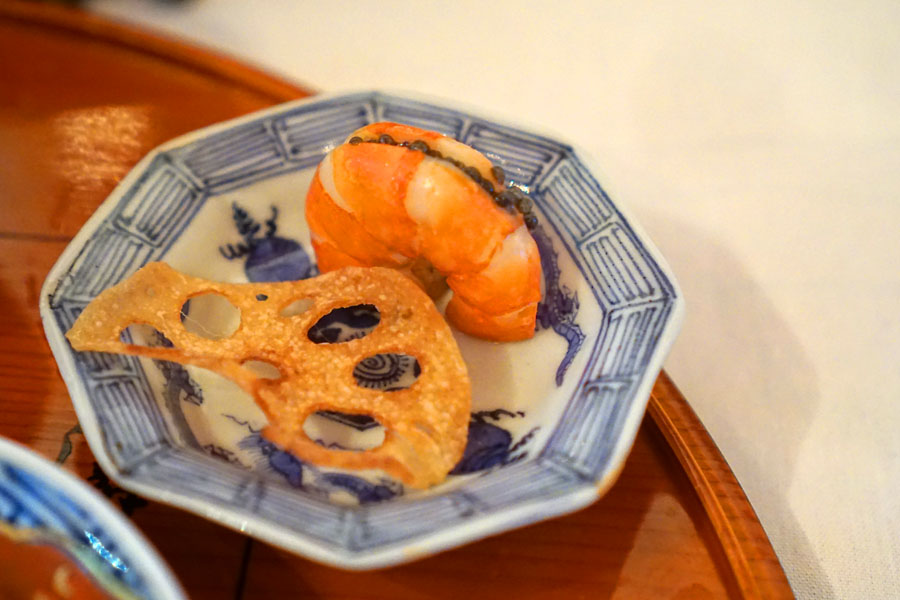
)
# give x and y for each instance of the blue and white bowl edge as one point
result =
(157, 579)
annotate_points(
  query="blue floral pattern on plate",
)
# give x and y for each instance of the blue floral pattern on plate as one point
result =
(553, 417)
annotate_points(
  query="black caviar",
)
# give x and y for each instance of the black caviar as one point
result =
(512, 198)
(522, 202)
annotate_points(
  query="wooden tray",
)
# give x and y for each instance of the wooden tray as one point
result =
(81, 100)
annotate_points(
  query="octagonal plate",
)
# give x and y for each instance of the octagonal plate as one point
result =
(553, 417)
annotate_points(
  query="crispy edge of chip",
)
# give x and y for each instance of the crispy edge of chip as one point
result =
(426, 425)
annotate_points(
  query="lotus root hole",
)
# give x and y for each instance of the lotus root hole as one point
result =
(387, 372)
(297, 307)
(211, 316)
(339, 431)
(147, 336)
(345, 324)
(262, 369)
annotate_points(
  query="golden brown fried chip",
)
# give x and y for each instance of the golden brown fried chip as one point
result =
(425, 425)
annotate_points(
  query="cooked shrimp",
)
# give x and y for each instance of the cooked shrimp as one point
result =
(421, 202)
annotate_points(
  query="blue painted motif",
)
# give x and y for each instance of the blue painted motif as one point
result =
(559, 306)
(269, 257)
(223, 453)
(387, 372)
(364, 491)
(304, 475)
(489, 445)
(179, 387)
(345, 324)
(283, 463)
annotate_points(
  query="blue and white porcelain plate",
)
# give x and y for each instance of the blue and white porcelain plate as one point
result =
(40, 503)
(553, 417)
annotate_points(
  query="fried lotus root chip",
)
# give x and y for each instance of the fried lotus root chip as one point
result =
(426, 425)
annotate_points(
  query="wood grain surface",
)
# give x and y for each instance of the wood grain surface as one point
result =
(82, 100)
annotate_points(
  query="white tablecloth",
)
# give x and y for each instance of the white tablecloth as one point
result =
(758, 142)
